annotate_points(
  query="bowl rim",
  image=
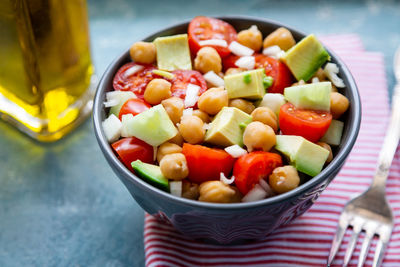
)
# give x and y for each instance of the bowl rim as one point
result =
(337, 161)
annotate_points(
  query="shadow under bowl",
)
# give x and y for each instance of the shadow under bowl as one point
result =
(227, 223)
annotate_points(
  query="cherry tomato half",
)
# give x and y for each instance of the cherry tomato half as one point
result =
(130, 149)
(133, 106)
(311, 124)
(183, 78)
(136, 82)
(206, 28)
(229, 61)
(277, 70)
(249, 169)
(206, 163)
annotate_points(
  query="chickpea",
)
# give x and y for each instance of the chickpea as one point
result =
(339, 104)
(216, 191)
(251, 38)
(208, 59)
(320, 74)
(191, 129)
(266, 116)
(143, 52)
(237, 197)
(174, 107)
(281, 37)
(284, 179)
(174, 166)
(177, 139)
(231, 71)
(157, 90)
(167, 148)
(243, 105)
(202, 115)
(213, 100)
(327, 147)
(190, 190)
(257, 135)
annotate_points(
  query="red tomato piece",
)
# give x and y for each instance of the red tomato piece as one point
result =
(311, 124)
(183, 78)
(206, 164)
(277, 70)
(130, 149)
(206, 28)
(136, 82)
(229, 61)
(249, 169)
(133, 106)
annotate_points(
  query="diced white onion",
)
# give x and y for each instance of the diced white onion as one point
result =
(111, 103)
(125, 125)
(240, 50)
(118, 97)
(273, 101)
(253, 28)
(132, 70)
(235, 151)
(213, 78)
(155, 148)
(187, 112)
(192, 95)
(216, 42)
(331, 70)
(257, 193)
(247, 62)
(315, 80)
(176, 188)
(267, 188)
(273, 51)
(225, 180)
(112, 128)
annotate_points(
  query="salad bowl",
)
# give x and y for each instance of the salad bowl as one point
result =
(227, 223)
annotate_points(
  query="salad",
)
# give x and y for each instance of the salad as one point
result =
(223, 116)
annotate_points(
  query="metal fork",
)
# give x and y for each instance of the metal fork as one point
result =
(370, 211)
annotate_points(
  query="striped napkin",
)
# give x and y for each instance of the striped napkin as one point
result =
(307, 240)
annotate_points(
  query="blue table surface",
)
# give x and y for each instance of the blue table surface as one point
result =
(60, 203)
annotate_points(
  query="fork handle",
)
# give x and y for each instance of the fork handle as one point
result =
(390, 142)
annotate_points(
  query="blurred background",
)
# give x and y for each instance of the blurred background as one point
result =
(60, 203)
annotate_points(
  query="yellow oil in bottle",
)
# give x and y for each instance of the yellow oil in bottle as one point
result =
(45, 66)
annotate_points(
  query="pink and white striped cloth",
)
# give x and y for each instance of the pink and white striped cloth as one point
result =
(307, 240)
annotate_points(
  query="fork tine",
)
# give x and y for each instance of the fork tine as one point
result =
(380, 252)
(365, 247)
(352, 243)
(337, 240)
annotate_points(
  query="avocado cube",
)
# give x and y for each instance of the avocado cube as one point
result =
(306, 156)
(225, 129)
(247, 84)
(153, 126)
(306, 57)
(173, 52)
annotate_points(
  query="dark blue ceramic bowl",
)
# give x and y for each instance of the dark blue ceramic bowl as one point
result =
(226, 223)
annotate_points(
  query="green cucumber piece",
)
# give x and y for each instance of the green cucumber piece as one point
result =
(151, 174)
(153, 126)
(334, 133)
(314, 96)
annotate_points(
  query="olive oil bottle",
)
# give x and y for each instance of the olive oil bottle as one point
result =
(46, 73)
